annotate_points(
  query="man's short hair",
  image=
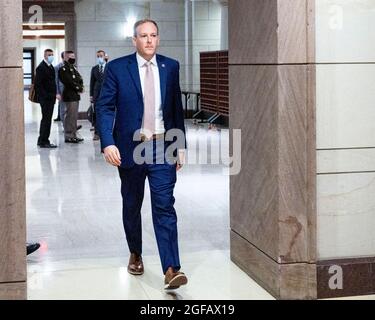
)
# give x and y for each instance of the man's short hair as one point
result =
(48, 50)
(69, 52)
(63, 54)
(100, 51)
(140, 22)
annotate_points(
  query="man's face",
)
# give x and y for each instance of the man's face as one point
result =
(147, 40)
(100, 55)
(47, 54)
(69, 56)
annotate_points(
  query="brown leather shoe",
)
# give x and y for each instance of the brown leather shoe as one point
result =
(173, 280)
(135, 266)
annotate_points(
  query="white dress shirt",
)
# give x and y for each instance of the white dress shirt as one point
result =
(103, 65)
(48, 64)
(159, 122)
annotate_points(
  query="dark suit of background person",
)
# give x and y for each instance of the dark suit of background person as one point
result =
(120, 112)
(73, 86)
(45, 89)
(96, 82)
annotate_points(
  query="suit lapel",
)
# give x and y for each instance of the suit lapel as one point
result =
(163, 77)
(134, 72)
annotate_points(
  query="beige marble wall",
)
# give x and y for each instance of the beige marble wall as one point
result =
(272, 101)
(273, 32)
(12, 169)
(345, 128)
(345, 31)
(10, 14)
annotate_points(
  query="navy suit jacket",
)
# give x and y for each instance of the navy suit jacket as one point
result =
(120, 105)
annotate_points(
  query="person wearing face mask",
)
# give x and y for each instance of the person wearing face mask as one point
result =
(45, 89)
(73, 88)
(96, 82)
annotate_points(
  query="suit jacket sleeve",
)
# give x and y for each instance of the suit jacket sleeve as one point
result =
(39, 79)
(178, 108)
(80, 82)
(92, 82)
(106, 108)
(58, 89)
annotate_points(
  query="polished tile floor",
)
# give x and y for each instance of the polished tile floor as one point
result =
(74, 211)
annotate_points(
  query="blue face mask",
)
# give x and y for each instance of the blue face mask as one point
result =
(50, 59)
(100, 60)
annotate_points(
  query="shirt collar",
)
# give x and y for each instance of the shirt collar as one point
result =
(141, 61)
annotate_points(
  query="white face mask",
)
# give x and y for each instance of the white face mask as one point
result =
(50, 59)
(100, 60)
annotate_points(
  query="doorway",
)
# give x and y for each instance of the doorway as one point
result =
(28, 67)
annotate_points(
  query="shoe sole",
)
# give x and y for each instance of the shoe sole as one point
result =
(76, 142)
(176, 282)
(135, 273)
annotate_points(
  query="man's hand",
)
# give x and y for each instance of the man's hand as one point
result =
(91, 99)
(58, 97)
(112, 156)
(181, 159)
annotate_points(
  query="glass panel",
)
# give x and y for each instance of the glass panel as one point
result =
(27, 66)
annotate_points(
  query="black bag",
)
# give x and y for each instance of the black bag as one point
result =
(90, 114)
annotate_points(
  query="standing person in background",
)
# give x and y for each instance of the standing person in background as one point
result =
(45, 89)
(73, 87)
(96, 82)
(60, 89)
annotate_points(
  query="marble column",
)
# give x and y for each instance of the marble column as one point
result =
(12, 158)
(272, 101)
(71, 35)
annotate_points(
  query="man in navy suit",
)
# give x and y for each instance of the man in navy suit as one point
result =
(140, 117)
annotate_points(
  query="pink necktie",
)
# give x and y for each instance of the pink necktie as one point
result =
(149, 101)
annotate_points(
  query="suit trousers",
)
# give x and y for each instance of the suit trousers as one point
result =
(70, 121)
(45, 124)
(162, 179)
